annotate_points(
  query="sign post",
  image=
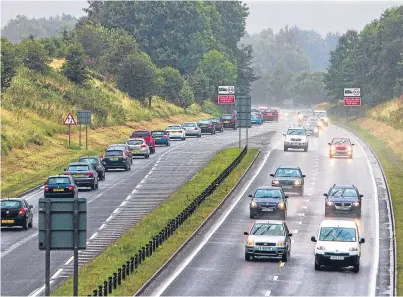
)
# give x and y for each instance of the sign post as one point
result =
(69, 121)
(243, 109)
(352, 97)
(84, 118)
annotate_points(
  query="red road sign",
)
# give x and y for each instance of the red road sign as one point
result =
(352, 101)
(69, 120)
(226, 99)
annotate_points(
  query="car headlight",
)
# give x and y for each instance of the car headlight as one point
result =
(326, 119)
(280, 243)
(330, 203)
(349, 148)
(276, 182)
(353, 249)
(332, 148)
(321, 248)
(356, 203)
(281, 205)
(297, 182)
(316, 130)
(319, 123)
(250, 242)
(253, 204)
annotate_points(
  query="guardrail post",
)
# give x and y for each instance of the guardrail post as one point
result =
(115, 280)
(143, 253)
(95, 293)
(123, 271)
(131, 264)
(136, 261)
(127, 267)
(156, 241)
(119, 276)
(139, 257)
(100, 290)
(105, 288)
(110, 285)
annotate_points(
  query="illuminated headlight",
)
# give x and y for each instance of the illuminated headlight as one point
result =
(250, 242)
(319, 123)
(321, 248)
(281, 205)
(326, 119)
(280, 243)
(330, 203)
(297, 182)
(353, 249)
(316, 130)
(332, 148)
(300, 116)
(253, 204)
(349, 148)
(276, 182)
(356, 203)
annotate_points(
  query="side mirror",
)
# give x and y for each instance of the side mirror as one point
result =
(362, 240)
(65, 169)
(287, 197)
(329, 143)
(308, 135)
(289, 234)
(325, 194)
(361, 195)
(31, 206)
(313, 239)
(250, 196)
(303, 175)
(284, 134)
(246, 233)
(352, 144)
(272, 175)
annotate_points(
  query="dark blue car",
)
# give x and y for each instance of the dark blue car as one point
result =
(160, 137)
(343, 200)
(60, 186)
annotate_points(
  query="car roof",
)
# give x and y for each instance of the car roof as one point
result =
(316, 110)
(338, 223)
(273, 222)
(140, 130)
(174, 125)
(189, 122)
(118, 144)
(61, 175)
(268, 188)
(13, 198)
(341, 138)
(115, 149)
(344, 186)
(78, 163)
(228, 114)
(295, 127)
(87, 157)
(154, 131)
(142, 139)
(288, 167)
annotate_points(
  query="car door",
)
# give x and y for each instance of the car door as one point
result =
(28, 210)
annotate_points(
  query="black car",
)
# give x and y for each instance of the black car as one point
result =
(290, 179)
(116, 159)
(344, 200)
(217, 124)
(60, 186)
(206, 126)
(268, 200)
(16, 212)
(84, 174)
(229, 121)
(97, 162)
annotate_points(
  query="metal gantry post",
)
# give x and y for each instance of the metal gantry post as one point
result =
(76, 226)
(47, 246)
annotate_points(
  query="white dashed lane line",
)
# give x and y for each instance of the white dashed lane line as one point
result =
(275, 277)
(94, 235)
(267, 293)
(301, 214)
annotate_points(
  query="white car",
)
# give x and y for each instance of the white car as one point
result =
(296, 138)
(192, 129)
(139, 147)
(176, 132)
(338, 244)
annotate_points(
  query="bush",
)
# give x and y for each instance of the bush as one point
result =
(34, 55)
(74, 68)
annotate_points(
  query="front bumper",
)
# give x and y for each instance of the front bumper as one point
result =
(343, 210)
(295, 144)
(259, 210)
(176, 135)
(347, 261)
(275, 252)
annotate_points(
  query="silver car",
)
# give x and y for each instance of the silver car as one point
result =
(268, 239)
(192, 129)
(139, 147)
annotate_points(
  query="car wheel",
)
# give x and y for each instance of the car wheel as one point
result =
(106, 169)
(327, 213)
(26, 225)
(93, 187)
(305, 149)
(283, 216)
(168, 144)
(31, 225)
(285, 256)
(96, 186)
(212, 132)
(131, 161)
(104, 176)
(222, 129)
(356, 268)
(285, 148)
(350, 157)
(317, 266)
(301, 192)
(252, 216)
(330, 156)
(359, 214)
(248, 257)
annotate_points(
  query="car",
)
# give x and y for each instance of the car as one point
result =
(147, 136)
(16, 212)
(312, 128)
(268, 200)
(229, 121)
(161, 137)
(338, 244)
(139, 147)
(289, 178)
(256, 118)
(191, 129)
(341, 147)
(269, 239)
(296, 138)
(60, 186)
(97, 162)
(116, 158)
(217, 124)
(206, 126)
(125, 147)
(270, 115)
(304, 114)
(343, 199)
(84, 174)
(176, 131)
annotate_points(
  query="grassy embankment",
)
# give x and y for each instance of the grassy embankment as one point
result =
(382, 129)
(103, 266)
(34, 141)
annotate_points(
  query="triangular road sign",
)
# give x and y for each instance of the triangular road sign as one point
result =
(69, 120)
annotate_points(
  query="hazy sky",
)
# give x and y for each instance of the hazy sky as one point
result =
(321, 16)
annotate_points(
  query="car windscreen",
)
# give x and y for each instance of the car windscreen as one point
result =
(158, 133)
(320, 113)
(115, 153)
(287, 172)
(337, 234)
(58, 180)
(189, 125)
(341, 141)
(268, 193)
(204, 122)
(226, 117)
(174, 127)
(296, 132)
(140, 134)
(78, 168)
(11, 204)
(214, 120)
(89, 160)
(340, 192)
(267, 229)
(135, 142)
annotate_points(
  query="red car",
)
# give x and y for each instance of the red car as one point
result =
(341, 147)
(270, 115)
(147, 136)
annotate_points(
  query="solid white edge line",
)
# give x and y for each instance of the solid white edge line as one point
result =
(94, 235)
(217, 225)
(372, 284)
(102, 226)
(69, 260)
(57, 273)
(267, 293)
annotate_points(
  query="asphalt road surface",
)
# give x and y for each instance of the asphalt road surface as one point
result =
(121, 200)
(213, 263)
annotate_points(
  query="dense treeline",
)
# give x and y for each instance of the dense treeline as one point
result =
(371, 60)
(22, 27)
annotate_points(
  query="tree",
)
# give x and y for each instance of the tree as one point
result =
(34, 55)
(186, 95)
(9, 62)
(74, 68)
(200, 84)
(173, 83)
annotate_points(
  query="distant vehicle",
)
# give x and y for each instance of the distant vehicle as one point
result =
(270, 115)
(191, 129)
(125, 147)
(312, 128)
(296, 138)
(289, 178)
(344, 200)
(256, 118)
(341, 147)
(16, 212)
(97, 162)
(84, 174)
(139, 147)
(268, 239)
(322, 115)
(60, 186)
(206, 126)
(229, 121)
(268, 200)
(161, 137)
(304, 114)
(338, 243)
(217, 124)
(176, 131)
(116, 159)
(147, 136)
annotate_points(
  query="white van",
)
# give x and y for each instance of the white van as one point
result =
(338, 244)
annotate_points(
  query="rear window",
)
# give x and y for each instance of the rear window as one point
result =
(204, 122)
(135, 142)
(89, 160)
(189, 125)
(140, 134)
(215, 120)
(158, 133)
(78, 168)
(122, 146)
(58, 180)
(113, 153)
(227, 117)
(11, 204)
(176, 127)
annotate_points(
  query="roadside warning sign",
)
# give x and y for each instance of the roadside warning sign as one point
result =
(69, 120)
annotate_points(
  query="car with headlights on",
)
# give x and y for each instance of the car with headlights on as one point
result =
(84, 174)
(338, 244)
(322, 115)
(161, 137)
(268, 200)
(191, 129)
(217, 124)
(343, 200)
(16, 212)
(312, 128)
(270, 115)
(290, 179)
(97, 162)
(125, 147)
(256, 118)
(229, 121)
(206, 126)
(304, 114)
(116, 159)
(341, 147)
(60, 186)
(139, 147)
(268, 239)
(176, 132)
(296, 138)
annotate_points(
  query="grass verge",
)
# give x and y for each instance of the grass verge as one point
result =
(392, 165)
(103, 266)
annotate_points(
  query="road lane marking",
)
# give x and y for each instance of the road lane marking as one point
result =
(301, 214)
(69, 260)
(94, 235)
(282, 264)
(304, 207)
(102, 226)
(116, 210)
(275, 277)
(294, 231)
(39, 290)
(299, 223)
(123, 203)
(267, 293)
(57, 273)
(108, 219)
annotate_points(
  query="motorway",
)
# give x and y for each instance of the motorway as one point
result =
(212, 264)
(121, 200)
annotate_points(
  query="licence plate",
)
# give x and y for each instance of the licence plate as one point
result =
(203, 126)
(58, 190)
(226, 122)
(114, 159)
(345, 208)
(78, 175)
(267, 209)
(336, 258)
(173, 132)
(287, 187)
(157, 138)
(7, 221)
(265, 248)
(135, 152)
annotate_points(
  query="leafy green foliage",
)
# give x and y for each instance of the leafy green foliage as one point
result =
(34, 56)
(74, 68)
(172, 84)
(9, 62)
(186, 95)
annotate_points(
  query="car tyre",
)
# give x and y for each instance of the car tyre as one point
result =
(252, 216)
(248, 257)
(317, 266)
(222, 129)
(356, 268)
(359, 214)
(31, 225)
(285, 148)
(327, 213)
(26, 225)
(286, 256)
(350, 157)
(283, 216)
(305, 149)
(301, 192)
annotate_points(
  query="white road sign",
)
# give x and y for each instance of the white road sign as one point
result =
(226, 90)
(69, 120)
(352, 92)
